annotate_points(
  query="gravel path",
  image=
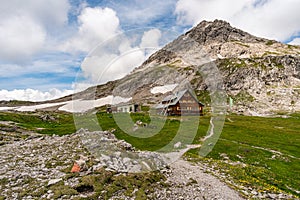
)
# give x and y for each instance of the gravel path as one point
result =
(188, 181)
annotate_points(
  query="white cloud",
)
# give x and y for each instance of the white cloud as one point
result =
(96, 25)
(106, 67)
(295, 41)
(151, 38)
(192, 12)
(33, 95)
(273, 19)
(120, 55)
(47, 13)
(21, 38)
(25, 26)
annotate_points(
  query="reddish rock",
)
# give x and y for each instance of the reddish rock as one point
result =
(75, 168)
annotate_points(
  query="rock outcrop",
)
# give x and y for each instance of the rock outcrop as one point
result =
(262, 76)
(40, 167)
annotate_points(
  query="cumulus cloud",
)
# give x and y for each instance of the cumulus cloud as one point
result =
(273, 19)
(50, 14)
(25, 25)
(192, 12)
(120, 55)
(95, 25)
(107, 67)
(21, 38)
(33, 95)
(151, 38)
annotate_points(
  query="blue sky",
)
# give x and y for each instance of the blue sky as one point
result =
(45, 43)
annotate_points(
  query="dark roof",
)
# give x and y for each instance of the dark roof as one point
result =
(173, 99)
(175, 96)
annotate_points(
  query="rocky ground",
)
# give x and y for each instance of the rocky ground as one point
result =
(39, 167)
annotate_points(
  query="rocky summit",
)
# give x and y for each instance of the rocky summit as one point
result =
(261, 76)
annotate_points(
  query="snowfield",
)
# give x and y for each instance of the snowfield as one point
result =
(75, 106)
(7, 108)
(36, 107)
(78, 106)
(163, 89)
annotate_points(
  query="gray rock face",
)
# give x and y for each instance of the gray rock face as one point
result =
(262, 85)
(218, 39)
(118, 155)
(260, 75)
(221, 31)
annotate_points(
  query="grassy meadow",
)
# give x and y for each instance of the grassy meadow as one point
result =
(257, 152)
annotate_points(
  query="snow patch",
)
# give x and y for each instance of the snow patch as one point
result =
(34, 108)
(7, 108)
(220, 56)
(75, 106)
(163, 89)
(78, 106)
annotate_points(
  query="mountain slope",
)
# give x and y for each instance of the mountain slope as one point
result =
(262, 76)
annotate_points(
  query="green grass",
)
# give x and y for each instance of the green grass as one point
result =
(18, 103)
(249, 140)
(159, 130)
(203, 96)
(270, 42)
(243, 96)
(105, 184)
(63, 124)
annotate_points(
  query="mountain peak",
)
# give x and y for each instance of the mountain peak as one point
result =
(220, 31)
(217, 40)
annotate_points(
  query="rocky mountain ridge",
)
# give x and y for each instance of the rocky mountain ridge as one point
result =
(261, 76)
(219, 40)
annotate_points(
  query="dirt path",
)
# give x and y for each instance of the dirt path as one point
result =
(189, 181)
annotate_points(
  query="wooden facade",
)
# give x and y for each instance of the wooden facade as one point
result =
(182, 103)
